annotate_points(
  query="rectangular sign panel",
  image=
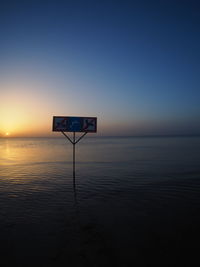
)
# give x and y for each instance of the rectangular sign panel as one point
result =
(74, 124)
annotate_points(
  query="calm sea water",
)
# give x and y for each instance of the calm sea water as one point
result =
(134, 201)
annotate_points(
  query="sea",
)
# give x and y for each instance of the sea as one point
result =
(133, 201)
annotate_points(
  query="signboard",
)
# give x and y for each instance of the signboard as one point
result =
(74, 124)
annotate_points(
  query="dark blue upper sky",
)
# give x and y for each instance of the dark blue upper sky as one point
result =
(134, 64)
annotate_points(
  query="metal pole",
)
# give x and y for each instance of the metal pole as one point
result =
(67, 137)
(80, 137)
(74, 143)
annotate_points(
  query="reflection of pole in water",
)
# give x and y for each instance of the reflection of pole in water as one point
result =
(75, 194)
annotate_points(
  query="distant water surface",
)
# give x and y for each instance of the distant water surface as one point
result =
(134, 201)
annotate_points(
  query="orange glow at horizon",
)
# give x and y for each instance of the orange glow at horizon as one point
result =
(24, 111)
(27, 109)
(18, 122)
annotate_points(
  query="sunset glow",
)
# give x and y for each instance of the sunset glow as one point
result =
(129, 71)
(99, 132)
(23, 110)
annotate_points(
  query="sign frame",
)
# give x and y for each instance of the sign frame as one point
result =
(75, 124)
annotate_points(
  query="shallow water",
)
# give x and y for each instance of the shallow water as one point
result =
(134, 201)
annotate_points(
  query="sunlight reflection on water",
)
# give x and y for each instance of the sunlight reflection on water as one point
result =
(121, 184)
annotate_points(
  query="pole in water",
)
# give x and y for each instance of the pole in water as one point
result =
(74, 124)
(74, 143)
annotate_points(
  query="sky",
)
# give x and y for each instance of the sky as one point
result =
(135, 65)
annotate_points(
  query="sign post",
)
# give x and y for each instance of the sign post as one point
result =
(74, 154)
(74, 124)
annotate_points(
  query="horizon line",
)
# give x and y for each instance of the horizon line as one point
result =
(109, 136)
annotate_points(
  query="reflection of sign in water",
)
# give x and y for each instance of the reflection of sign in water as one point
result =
(75, 124)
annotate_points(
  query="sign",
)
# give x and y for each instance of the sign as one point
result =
(74, 124)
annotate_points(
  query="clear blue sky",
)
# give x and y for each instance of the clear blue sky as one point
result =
(133, 64)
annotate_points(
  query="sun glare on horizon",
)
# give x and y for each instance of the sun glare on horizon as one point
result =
(24, 111)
